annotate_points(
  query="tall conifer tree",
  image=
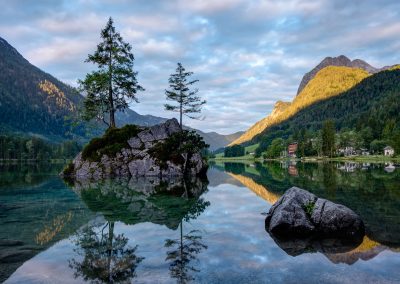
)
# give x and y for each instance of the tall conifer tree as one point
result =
(186, 100)
(328, 138)
(114, 83)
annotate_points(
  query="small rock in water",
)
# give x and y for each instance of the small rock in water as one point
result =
(299, 213)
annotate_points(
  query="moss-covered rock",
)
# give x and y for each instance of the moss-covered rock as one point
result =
(160, 150)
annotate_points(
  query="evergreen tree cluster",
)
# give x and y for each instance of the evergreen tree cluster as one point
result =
(234, 151)
(33, 148)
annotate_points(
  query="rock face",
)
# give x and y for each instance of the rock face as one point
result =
(136, 159)
(299, 213)
(336, 61)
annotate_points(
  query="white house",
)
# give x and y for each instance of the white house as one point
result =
(388, 151)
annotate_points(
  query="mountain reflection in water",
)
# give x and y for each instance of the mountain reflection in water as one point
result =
(151, 230)
(366, 188)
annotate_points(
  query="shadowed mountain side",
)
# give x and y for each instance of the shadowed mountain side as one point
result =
(50, 105)
(137, 200)
(329, 82)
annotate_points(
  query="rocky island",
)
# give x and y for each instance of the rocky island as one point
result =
(133, 151)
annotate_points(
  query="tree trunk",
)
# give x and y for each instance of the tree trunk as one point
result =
(109, 248)
(112, 115)
(110, 93)
(180, 118)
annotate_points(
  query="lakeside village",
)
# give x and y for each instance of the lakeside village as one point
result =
(354, 150)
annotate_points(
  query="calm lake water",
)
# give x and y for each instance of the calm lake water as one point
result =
(201, 231)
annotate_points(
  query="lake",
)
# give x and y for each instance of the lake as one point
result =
(202, 231)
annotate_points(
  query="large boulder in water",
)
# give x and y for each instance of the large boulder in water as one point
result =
(160, 150)
(299, 213)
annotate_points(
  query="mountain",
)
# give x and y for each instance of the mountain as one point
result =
(335, 61)
(216, 140)
(373, 104)
(328, 82)
(259, 126)
(33, 102)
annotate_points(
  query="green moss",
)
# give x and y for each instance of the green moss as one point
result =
(309, 207)
(69, 169)
(113, 141)
(174, 146)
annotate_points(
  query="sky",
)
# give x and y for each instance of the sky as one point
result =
(246, 54)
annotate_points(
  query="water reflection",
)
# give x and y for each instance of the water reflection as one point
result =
(167, 231)
(36, 211)
(368, 189)
(170, 202)
(107, 258)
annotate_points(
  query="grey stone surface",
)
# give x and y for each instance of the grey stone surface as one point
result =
(135, 143)
(288, 217)
(136, 160)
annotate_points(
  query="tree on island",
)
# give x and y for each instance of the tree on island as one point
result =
(187, 101)
(114, 83)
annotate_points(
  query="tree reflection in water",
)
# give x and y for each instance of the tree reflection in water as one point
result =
(107, 258)
(171, 202)
(182, 252)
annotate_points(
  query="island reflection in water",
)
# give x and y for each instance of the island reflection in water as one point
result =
(168, 231)
(169, 202)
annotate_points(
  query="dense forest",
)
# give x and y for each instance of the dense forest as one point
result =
(370, 111)
(33, 148)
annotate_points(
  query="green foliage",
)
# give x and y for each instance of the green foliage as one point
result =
(114, 82)
(395, 142)
(275, 149)
(187, 101)
(172, 148)
(234, 151)
(34, 148)
(309, 207)
(113, 141)
(68, 170)
(328, 138)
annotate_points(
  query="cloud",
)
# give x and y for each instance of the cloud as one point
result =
(247, 54)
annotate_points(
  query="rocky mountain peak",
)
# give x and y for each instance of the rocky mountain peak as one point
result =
(340, 60)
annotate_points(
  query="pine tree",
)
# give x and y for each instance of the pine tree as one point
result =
(114, 83)
(187, 101)
(328, 138)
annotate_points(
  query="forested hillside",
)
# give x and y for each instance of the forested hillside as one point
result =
(328, 82)
(34, 103)
(373, 105)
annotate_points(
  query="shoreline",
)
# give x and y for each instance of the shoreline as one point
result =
(359, 159)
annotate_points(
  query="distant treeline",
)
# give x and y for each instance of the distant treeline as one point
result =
(33, 148)
(234, 151)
